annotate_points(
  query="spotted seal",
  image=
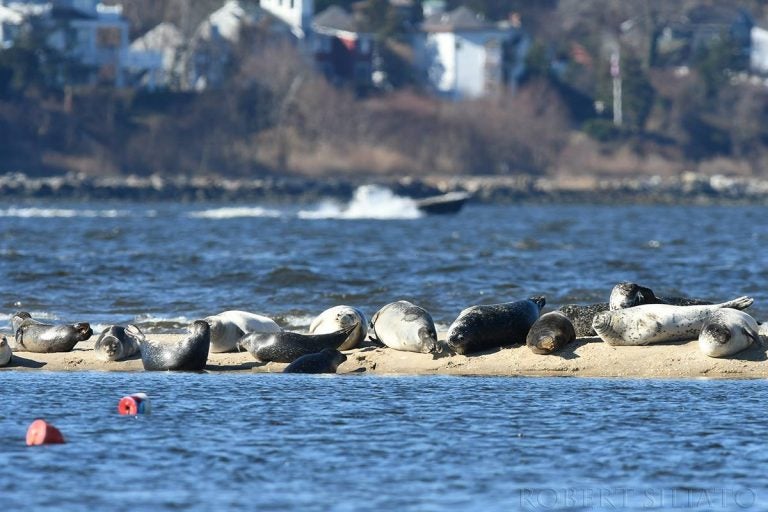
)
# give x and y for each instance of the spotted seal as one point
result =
(479, 328)
(726, 332)
(325, 361)
(628, 294)
(188, 354)
(551, 332)
(655, 323)
(287, 346)
(228, 327)
(6, 353)
(340, 317)
(402, 325)
(34, 336)
(116, 342)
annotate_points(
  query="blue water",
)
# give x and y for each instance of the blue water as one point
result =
(370, 443)
(282, 442)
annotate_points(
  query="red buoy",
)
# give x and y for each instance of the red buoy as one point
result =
(41, 432)
(137, 403)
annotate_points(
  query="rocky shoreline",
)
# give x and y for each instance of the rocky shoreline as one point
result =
(688, 188)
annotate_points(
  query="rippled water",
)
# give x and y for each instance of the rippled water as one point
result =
(372, 443)
(280, 442)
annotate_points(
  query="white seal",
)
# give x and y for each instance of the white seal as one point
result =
(657, 323)
(340, 318)
(5, 352)
(229, 326)
(727, 332)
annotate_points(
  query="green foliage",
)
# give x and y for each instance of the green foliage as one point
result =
(716, 61)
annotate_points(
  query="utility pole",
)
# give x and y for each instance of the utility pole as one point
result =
(616, 75)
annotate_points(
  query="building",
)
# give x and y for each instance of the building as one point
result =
(461, 55)
(343, 48)
(297, 14)
(153, 59)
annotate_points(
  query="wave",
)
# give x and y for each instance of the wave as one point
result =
(368, 202)
(235, 212)
(47, 213)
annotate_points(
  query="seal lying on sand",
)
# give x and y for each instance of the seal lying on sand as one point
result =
(480, 328)
(229, 326)
(189, 354)
(551, 332)
(116, 342)
(656, 323)
(325, 361)
(5, 352)
(341, 317)
(402, 325)
(727, 332)
(34, 336)
(286, 346)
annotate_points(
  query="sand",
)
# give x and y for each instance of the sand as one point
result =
(587, 357)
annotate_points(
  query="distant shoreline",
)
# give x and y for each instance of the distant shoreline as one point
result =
(694, 189)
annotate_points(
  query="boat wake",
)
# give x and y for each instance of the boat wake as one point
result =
(368, 202)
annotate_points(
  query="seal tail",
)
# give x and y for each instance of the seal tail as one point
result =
(738, 303)
(442, 349)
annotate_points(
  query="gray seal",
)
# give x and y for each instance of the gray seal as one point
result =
(189, 354)
(479, 328)
(116, 342)
(581, 316)
(657, 323)
(727, 332)
(6, 354)
(551, 332)
(287, 346)
(340, 317)
(34, 336)
(228, 327)
(628, 294)
(325, 361)
(402, 325)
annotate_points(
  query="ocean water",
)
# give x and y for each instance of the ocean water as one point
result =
(280, 442)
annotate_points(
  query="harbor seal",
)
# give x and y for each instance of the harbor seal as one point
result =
(402, 325)
(341, 317)
(726, 332)
(116, 342)
(656, 323)
(479, 328)
(287, 346)
(189, 354)
(325, 361)
(229, 326)
(551, 332)
(627, 295)
(34, 336)
(581, 316)
(5, 352)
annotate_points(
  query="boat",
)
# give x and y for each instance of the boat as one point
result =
(450, 202)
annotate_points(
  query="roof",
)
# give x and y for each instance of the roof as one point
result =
(165, 35)
(459, 19)
(335, 18)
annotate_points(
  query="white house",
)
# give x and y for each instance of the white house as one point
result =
(461, 55)
(297, 14)
(758, 54)
(154, 57)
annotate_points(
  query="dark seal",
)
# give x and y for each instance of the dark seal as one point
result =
(325, 361)
(34, 336)
(287, 346)
(479, 328)
(551, 332)
(189, 354)
(581, 317)
(116, 342)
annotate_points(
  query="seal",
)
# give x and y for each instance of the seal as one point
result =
(5, 352)
(402, 325)
(340, 317)
(34, 336)
(325, 361)
(287, 346)
(581, 316)
(116, 342)
(656, 323)
(479, 328)
(727, 332)
(189, 354)
(627, 295)
(551, 332)
(229, 326)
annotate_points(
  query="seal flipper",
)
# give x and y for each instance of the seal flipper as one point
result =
(740, 303)
(754, 336)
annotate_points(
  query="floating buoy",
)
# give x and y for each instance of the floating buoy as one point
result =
(41, 432)
(137, 403)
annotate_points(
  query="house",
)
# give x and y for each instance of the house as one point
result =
(297, 14)
(343, 48)
(758, 55)
(461, 55)
(153, 59)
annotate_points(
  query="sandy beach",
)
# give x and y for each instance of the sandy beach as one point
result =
(587, 357)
